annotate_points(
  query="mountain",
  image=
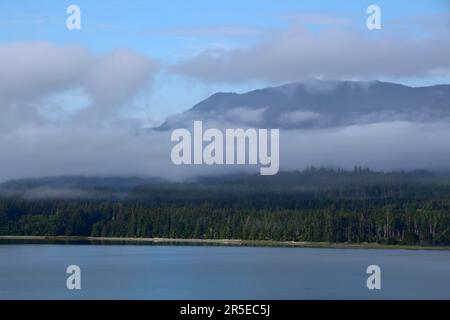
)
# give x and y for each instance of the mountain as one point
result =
(321, 104)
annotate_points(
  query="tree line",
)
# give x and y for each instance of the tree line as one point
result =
(393, 213)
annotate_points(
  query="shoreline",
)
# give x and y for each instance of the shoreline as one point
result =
(224, 242)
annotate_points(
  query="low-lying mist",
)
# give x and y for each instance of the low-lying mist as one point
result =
(118, 151)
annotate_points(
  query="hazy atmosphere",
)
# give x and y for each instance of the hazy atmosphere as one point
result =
(196, 151)
(72, 105)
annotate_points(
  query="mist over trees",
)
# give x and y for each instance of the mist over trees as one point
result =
(313, 205)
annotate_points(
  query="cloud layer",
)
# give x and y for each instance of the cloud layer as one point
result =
(33, 145)
(298, 53)
(50, 151)
(32, 72)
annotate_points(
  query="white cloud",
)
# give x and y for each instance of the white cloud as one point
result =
(245, 116)
(296, 117)
(298, 53)
(395, 145)
(49, 151)
(31, 72)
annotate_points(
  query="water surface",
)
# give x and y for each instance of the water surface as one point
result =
(37, 271)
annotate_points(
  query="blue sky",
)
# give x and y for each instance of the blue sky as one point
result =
(116, 23)
(168, 31)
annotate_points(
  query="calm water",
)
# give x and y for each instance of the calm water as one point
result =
(204, 272)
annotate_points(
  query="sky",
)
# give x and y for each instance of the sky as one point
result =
(171, 32)
(75, 101)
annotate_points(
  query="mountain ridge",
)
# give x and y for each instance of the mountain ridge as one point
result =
(321, 104)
